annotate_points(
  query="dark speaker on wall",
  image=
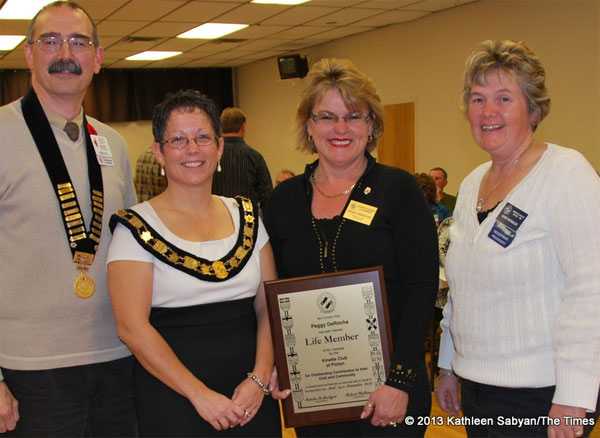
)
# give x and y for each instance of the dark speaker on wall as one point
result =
(292, 66)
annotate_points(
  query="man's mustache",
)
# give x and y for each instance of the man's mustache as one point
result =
(65, 66)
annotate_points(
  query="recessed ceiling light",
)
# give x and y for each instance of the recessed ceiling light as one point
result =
(152, 55)
(279, 2)
(9, 42)
(21, 10)
(209, 31)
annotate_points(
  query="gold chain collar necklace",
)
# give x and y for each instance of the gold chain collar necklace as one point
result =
(316, 184)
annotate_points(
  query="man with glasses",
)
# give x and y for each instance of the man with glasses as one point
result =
(64, 372)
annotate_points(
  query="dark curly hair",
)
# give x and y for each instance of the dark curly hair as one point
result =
(427, 185)
(183, 99)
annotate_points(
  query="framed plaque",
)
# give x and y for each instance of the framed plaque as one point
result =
(332, 343)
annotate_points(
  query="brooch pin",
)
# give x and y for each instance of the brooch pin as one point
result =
(367, 190)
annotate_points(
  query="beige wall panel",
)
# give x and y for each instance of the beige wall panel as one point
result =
(422, 61)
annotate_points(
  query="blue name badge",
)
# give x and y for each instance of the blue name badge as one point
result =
(507, 223)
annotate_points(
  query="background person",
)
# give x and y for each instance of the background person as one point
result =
(283, 175)
(521, 324)
(185, 271)
(66, 373)
(150, 179)
(340, 118)
(428, 188)
(242, 169)
(440, 177)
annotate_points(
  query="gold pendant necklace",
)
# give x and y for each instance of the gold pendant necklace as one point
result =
(345, 192)
(84, 286)
(481, 202)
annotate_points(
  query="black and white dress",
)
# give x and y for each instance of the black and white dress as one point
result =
(202, 305)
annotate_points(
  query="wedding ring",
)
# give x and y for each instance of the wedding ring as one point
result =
(579, 433)
(369, 404)
(248, 413)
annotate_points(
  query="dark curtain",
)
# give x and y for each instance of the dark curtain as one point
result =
(13, 85)
(120, 95)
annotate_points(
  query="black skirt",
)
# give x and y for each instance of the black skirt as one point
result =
(217, 343)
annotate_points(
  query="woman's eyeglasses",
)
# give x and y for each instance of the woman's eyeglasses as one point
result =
(181, 142)
(351, 119)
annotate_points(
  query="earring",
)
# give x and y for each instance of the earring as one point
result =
(311, 142)
(219, 169)
(370, 138)
(162, 170)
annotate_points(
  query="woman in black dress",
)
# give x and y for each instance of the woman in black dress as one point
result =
(340, 118)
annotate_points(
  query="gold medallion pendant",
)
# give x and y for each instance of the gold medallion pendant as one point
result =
(84, 286)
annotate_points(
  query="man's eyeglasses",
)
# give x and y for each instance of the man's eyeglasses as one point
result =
(328, 119)
(54, 43)
(180, 142)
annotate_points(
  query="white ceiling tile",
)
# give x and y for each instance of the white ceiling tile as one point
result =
(431, 5)
(128, 64)
(391, 17)
(258, 31)
(201, 12)
(345, 16)
(124, 24)
(179, 44)
(336, 3)
(299, 15)
(385, 4)
(301, 32)
(16, 55)
(260, 45)
(300, 44)
(100, 9)
(340, 32)
(10, 64)
(251, 13)
(120, 28)
(14, 27)
(107, 41)
(164, 29)
(146, 9)
(137, 46)
(199, 63)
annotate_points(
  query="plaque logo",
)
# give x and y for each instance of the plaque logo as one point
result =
(326, 302)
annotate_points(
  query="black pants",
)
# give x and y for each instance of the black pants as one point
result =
(89, 400)
(502, 405)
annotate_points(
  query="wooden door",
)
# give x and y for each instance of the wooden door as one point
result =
(397, 144)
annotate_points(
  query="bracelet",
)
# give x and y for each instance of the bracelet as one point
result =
(444, 373)
(259, 383)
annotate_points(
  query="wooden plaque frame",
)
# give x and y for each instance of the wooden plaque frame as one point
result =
(317, 284)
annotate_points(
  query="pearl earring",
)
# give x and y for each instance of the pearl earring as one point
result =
(162, 170)
(219, 169)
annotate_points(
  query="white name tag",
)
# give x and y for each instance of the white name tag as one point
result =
(103, 153)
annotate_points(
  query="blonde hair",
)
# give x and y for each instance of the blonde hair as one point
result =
(356, 90)
(520, 62)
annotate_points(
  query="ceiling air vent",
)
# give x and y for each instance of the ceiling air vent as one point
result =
(228, 40)
(139, 39)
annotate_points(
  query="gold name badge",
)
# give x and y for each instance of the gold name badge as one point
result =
(359, 212)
